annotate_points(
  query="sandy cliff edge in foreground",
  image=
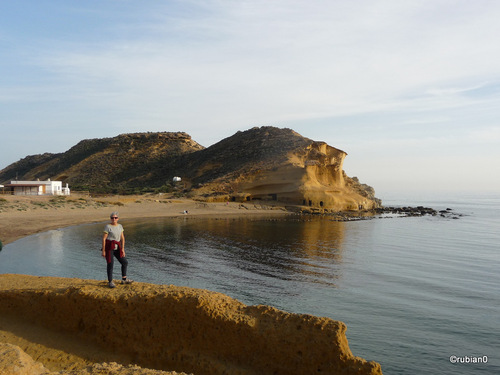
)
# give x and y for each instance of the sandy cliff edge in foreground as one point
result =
(179, 328)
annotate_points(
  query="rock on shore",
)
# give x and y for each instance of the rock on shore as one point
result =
(14, 361)
(177, 328)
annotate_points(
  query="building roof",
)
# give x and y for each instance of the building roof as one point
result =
(25, 184)
(31, 183)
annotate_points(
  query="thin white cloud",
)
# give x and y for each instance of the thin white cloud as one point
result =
(454, 90)
(225, 66)
(294, 60)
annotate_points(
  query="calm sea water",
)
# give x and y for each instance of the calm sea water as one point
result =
(412, 291)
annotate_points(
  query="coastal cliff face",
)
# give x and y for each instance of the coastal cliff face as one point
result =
(279, 165)
(312, 176)
(166, 327)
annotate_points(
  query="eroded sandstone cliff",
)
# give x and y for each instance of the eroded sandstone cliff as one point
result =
(184, 329)
(273, 164)
(311, 176)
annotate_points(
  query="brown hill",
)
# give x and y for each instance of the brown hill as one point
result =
(265, 163)
(106, 165)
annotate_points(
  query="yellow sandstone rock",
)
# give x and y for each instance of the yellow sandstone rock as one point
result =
(312, 176)
(178, 328)
(14, 361)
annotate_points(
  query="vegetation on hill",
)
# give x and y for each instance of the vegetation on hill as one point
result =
(122, 164)
(147, 162)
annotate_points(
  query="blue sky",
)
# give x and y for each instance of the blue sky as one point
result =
(409, 89)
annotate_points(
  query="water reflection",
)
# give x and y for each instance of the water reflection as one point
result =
(394, 282)
(283, 249)
(249, 258)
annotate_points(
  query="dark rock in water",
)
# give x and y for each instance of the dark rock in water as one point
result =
(416, 211)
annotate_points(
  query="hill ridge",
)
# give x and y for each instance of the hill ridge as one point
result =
(265, 163)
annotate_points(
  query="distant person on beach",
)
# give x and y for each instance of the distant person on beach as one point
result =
(113, 246)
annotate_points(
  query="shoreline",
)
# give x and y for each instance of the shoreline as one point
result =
(26, 215)
(54, 212)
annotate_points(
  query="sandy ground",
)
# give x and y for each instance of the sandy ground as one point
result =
(24, 215)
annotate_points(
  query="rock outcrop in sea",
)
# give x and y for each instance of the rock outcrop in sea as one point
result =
(178, 328)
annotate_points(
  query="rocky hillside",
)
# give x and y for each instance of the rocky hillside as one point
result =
(223, 165)
(113, 164)
(265, 163)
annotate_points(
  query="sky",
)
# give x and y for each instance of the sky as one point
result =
(409, 89)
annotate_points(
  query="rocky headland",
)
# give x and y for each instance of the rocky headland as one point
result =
(260, 164)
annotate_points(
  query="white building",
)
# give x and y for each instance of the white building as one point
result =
(38, 188)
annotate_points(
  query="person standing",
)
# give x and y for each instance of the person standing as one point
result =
(113, 246)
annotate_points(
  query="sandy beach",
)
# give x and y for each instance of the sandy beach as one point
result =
(41, 337)
(25, 215)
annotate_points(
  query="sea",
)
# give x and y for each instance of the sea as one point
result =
(419, 295)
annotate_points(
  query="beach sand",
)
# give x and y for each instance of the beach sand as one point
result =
(25, 215)
(38, 343)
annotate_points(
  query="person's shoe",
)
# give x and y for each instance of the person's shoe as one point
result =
(127, 281)
(111, 284)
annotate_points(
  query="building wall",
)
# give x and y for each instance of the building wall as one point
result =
(28, 190)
